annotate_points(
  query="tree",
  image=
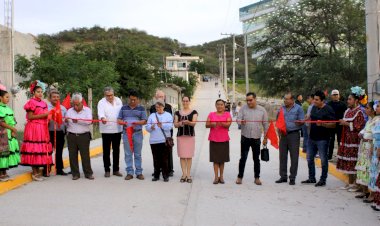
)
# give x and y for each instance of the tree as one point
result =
(199, 67)
(316, 44)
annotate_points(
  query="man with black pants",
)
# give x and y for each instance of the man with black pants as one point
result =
(108, 110)
(252, 118)
(339, 108)
(160, 95)
(59, 135)
(290, 142)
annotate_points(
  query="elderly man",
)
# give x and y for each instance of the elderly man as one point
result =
(78, 121)
(108, 110)
(290, 142)
(252, 118)
(160, 95)
(54, 97)
(133, 115)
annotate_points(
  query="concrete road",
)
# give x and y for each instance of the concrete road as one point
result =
(114, 201)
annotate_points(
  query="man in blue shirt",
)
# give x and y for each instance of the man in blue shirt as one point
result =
(134, 115)
(290, 142)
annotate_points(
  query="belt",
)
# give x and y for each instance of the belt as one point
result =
(293, 131)
(78, 134)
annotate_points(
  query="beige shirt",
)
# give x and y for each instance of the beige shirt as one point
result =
(253, 129)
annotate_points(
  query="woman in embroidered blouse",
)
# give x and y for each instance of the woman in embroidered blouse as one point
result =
(185, 121)
(219, 122)
(365, 152)
(36, 149)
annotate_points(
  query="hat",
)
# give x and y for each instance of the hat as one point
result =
(160, 102)
(335, 92)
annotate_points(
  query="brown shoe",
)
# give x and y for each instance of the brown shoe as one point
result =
(117, 174)
(128, 177)
(140, 177)
(75, 177)
(90, 177)
(107, 174)
(257, 181)
(239, 180)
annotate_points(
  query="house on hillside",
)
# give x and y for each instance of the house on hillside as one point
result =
(179, 65)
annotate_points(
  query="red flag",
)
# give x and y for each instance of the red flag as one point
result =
(84, 102)
(280, 123)
(272, 136)
(58, 114)
(55, 114)
(130, 131)
(67, 101)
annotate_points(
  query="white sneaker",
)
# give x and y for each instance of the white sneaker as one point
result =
(347, 187)
(37, 178)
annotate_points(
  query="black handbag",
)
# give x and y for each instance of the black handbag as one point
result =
(264, 154)
(169, 142)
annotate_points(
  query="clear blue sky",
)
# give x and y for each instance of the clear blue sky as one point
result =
(189, 21)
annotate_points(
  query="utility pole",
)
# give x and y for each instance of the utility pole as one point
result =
(221, 65)
(233, 65)
(246, 64)
(225, 68)
(233, 68)
(372, 8)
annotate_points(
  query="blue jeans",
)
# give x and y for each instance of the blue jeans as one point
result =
(128, 154)
(316, 146)
(305, 135)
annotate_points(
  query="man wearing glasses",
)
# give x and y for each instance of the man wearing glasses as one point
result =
(339, 107)
(253, 120)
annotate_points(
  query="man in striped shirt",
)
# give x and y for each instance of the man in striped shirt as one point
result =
(133, 115)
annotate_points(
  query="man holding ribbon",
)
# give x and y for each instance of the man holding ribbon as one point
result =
(133, 116)
(319, 137)
(57, 132)
(108, 110)
(78, 121)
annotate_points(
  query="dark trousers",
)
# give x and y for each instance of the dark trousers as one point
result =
(60, 138)
(109, 139)
(160, 159)
(245, 144)
(338, 132)
(289, 143)
(79, 143)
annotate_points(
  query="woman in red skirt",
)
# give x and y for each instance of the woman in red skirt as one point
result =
(352, 122)
(36, 150)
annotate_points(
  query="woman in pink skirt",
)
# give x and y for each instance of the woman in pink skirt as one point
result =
(219, 122)
(36, 150)
(185, 121)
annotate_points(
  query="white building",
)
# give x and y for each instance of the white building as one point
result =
(179, 65)
(24, 44)
(255, 16)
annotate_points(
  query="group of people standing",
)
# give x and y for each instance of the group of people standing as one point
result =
(357, 127)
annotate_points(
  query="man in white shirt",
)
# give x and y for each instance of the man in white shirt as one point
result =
(78, 121)
(108, 110)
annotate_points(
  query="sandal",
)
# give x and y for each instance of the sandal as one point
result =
(216, 181)
(363, 195)
(189, 180)
(221, 181)
(36, 177)
(183, 179)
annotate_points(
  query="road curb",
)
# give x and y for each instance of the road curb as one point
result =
(25, 178)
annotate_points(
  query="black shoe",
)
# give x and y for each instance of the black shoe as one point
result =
(62, 173)
(292, 182)
(281, 180)
(171, 173)
(155, 178)
(166, 179)
(308, 181)
(320, 184)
